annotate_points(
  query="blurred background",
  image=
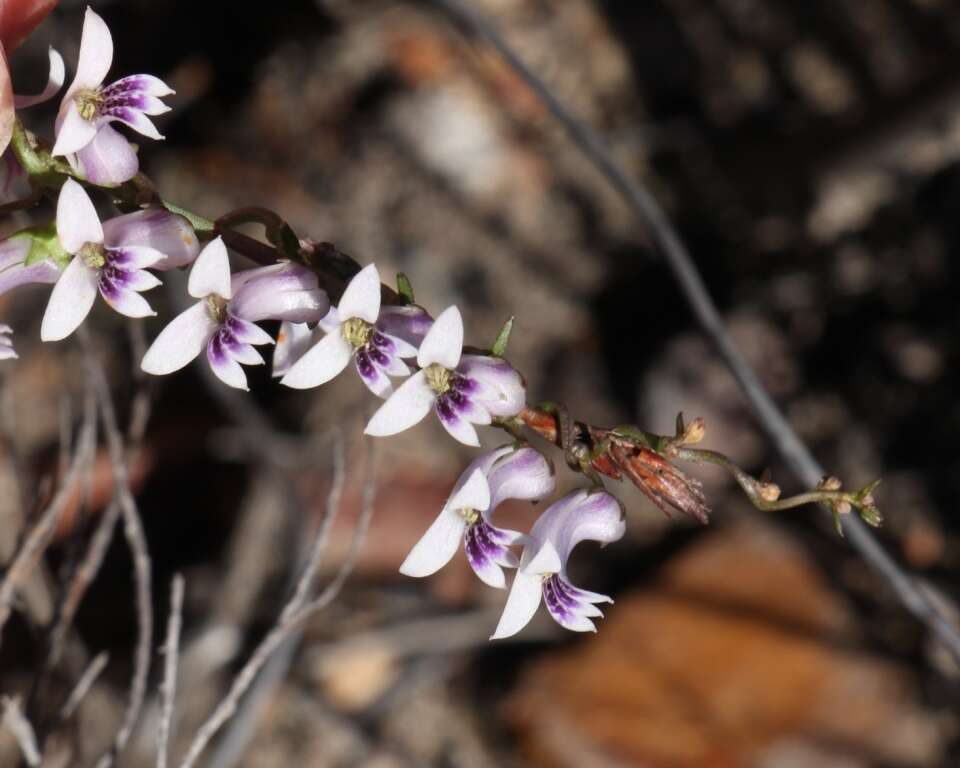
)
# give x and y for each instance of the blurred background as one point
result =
(809, 154)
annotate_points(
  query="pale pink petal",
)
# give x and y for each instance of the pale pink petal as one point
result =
(140, 280)
(361, 298)
(521, 605)
(77, 220)
(109, 159)
(400, 347)
(472, 494)
(140, 123)
(180, 342)
(70, 301)
(460, 429)
(228, 370)
(73, 132)
(54, 83)
(444, 341)
(246, 354)
(437, 546)
(210, 273)
(126, 302)
(96, 54)
(325, 360)
(406, 407)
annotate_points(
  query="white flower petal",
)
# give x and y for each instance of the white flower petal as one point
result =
(406, 407)
(180, 342)
(361, 298)
(77, 220)
(522, 604)
(73, 132)
(229, 371)
(70, 301)
(473, 494)
(126, 302)
(460, 429)
(96, 53)
(325, 360)
(437, 546)
(210, 273)
(546, 559)
(444, 341)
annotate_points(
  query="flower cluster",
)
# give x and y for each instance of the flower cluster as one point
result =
(123, 259)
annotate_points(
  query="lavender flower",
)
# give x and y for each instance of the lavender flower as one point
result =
(463, 389)
(353, 331)
(116, 268)
(84, 131)
(55, 80)
(14, 269)
(596, 516)
(506, 473)
(6, 345)
(223, 320)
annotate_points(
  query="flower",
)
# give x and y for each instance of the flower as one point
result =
(6, 345)
(116, 268)
(353, 330)
(168, 233)
(506, 473)
(84, 131)
(14, 270)
(223, 320)
(580, 515)
(463, 389)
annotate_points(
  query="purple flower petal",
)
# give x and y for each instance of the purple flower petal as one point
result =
(165, 232)
(107, 159)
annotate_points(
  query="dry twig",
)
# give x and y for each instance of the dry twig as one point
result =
(171, 652)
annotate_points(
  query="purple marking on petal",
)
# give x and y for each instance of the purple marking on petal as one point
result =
(478, 546)
(445, 408)
(377, 356)
(463, 384)
(381, 343)
(558, 608)
(109, 288)
(115, 102)
(216, 352)
(364, 365)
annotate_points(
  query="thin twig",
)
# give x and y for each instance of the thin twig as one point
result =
(83, 686)
(667, 243)
(136, 540)
(17, 723)
(276, 636)
(171, 653)
(40, 535)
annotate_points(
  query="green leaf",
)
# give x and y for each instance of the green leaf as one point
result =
(499, 348)
(405, 288)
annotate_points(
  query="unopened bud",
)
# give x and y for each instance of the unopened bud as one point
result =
(829, 483)
(842, 507)
(871, 516)
(695, 431)
(768, 491)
